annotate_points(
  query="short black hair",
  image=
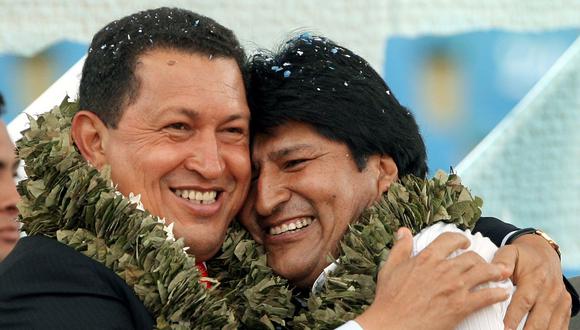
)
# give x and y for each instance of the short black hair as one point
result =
(108, 80)
(313, 80)
(1, 105)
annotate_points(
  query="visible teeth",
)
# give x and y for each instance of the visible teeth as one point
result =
(198, 197)
(298, 224)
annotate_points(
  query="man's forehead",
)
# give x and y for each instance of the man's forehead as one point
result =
(188, 83)
(285, 140)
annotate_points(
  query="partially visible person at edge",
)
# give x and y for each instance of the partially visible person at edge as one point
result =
(9, 232)
(329, 138)
(163, 103)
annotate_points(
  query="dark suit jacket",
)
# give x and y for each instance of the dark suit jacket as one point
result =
(47, 285)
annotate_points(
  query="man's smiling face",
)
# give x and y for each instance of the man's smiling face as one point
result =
(183, 144)
(307, 191)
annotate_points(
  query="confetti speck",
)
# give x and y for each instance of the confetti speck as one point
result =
(286, 73)
(334, 50)
(299, 52)
(346, 83)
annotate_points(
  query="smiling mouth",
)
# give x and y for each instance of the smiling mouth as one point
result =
(293, 226)
(198, 197)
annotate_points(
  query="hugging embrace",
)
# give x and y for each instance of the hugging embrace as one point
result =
(172, 112)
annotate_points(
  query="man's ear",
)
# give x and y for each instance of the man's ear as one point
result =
(90, 136)
(388, 173)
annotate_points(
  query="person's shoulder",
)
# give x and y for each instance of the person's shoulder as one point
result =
(39, 260)
(43, 251)
(39, 245)
(47, 281)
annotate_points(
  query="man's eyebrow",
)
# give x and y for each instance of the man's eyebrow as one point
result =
(236, 116)
(284, 152)
(192, 114)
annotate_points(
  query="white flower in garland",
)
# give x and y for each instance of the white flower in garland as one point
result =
(136, 199)
(168, 229)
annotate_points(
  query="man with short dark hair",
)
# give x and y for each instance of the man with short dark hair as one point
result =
(9, 232)
(329, 140)
(163, 105)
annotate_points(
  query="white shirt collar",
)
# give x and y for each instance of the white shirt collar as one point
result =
(319, 283)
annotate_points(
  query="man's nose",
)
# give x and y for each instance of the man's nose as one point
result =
(271, 193)
(206, 158)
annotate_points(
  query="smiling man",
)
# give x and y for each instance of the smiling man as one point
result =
(181, 142)
(303, 223)
(163, 105)
(329, 140)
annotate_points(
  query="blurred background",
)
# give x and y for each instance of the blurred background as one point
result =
(495, 86)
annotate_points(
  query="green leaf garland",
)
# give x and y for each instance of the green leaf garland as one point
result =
(65, 198)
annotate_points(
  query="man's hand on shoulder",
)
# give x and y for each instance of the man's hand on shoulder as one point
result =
(540, 290)
(429, 290)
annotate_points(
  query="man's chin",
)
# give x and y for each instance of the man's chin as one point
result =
(203, 246)
(298, 274)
